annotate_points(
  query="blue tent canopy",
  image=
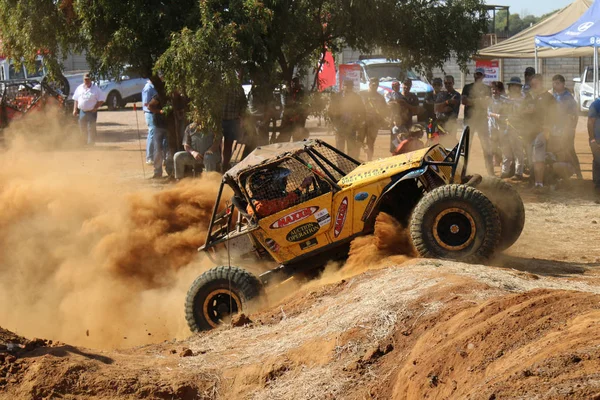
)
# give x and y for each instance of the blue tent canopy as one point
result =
(585, 32)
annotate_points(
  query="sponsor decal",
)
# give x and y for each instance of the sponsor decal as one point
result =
(294, 217)
(361, 196)
(369, 208)
(272, 245)
(340, 219)
(309, 243)
(323, 217)
(302, 232)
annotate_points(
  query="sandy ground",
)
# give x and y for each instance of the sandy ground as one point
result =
(94, 254)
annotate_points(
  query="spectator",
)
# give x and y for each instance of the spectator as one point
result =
(429, 101)
(294, 111)
(233, 109)
(347, 115)
(475, 98)
(593, 128)
(403, 104)
(412, 142)
(543, 118)
(447, 106)
(496, 118)
(375, 108)
(201, 147)
(529, 73)
(513, 112)
(88, 98)
(160, 134)
(148, 92)
(566, 121)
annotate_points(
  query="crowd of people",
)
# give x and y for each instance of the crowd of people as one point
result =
(524, 129)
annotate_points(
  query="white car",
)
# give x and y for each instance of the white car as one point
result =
(584, 89)
(127, 89)
(387, 71)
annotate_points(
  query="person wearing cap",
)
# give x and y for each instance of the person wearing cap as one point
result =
(148, 92)
(375, 108)
(514, 115)
(347, 113)
(87, 99)
(476, 98)
(529, 73)
(201, 146)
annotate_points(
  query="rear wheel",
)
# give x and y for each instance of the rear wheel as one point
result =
(510, 209)
(113, 101)
(455, 222)
(217, 295)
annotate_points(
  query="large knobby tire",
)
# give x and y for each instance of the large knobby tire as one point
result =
(455, 222)
(510, 208)
(217, 294)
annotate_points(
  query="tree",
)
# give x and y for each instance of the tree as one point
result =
(201, 45)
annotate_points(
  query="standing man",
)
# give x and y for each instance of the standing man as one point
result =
(375, 108)
(147, 94)
(447, 106)
(593, 128)
(160, 134)
(294, 111)
(88, 98)
(529, 73)
(476, 98)
(566, 121)
(233, 109)
(347, 115)
(543, 118)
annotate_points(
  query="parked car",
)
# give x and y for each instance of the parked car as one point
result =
(584, 89)
(387, 71)
(126, 89)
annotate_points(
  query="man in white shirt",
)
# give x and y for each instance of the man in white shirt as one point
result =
(88, 98)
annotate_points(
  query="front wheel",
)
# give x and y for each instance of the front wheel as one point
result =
(455, 222)
(217, 295)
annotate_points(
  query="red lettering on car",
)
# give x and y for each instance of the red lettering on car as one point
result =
(294, 217)
(340, 219)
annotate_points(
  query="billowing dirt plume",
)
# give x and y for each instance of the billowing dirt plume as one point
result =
(84, 260)
(389, 244)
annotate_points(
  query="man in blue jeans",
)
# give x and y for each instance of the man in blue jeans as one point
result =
(593, 127)
(87, 99)
(147, 94)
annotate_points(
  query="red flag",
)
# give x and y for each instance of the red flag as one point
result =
(326, 74)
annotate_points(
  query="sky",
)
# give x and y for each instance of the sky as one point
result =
(534, 7)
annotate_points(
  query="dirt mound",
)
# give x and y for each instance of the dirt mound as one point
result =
(418, 330)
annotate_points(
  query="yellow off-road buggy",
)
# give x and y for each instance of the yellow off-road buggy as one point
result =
(295, 206)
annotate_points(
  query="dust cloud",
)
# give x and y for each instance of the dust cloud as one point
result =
(83, 258)
(388, 245)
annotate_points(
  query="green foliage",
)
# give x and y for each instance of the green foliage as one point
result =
(200, 46)
(516, 23)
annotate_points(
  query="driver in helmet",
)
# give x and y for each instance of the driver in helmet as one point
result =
(269, 191)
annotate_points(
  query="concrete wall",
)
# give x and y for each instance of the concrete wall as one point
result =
(76, 62)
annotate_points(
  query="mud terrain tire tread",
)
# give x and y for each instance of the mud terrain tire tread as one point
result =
(488, 228)
(510, 208)
(243, 283)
